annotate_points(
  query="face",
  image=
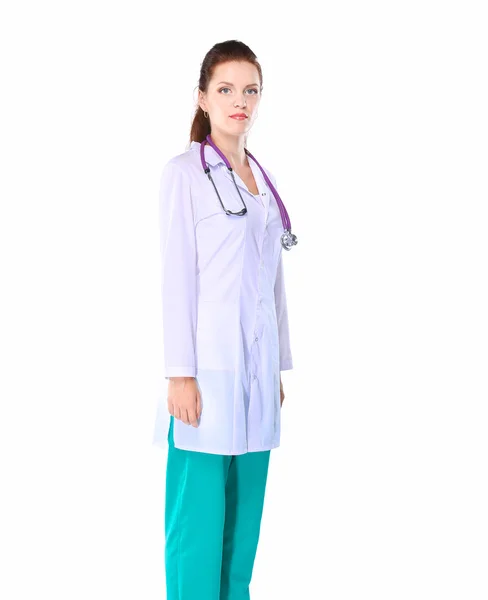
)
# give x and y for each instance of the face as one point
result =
(234, 88)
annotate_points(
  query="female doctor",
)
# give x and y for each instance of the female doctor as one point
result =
(226, 338)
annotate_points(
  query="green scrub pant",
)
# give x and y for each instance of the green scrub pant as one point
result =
(214, 504)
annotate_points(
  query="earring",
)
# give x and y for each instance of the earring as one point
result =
(205, 114)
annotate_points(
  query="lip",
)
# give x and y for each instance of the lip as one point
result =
(239, 116)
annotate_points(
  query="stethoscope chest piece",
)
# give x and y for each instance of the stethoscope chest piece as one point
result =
(288, 239)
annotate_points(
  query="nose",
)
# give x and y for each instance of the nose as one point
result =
(241, 103)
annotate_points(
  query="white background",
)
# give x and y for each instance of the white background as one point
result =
(374, 121)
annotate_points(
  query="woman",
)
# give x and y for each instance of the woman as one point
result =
(226, 336)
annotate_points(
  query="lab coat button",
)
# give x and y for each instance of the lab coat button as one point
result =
(255, 339)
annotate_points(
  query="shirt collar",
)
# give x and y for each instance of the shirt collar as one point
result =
(212, 157)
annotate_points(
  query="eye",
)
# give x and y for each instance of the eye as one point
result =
(250, 90)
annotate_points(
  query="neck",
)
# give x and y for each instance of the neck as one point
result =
(232, 147)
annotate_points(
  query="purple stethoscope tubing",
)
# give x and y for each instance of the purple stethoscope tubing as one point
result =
(288, 239)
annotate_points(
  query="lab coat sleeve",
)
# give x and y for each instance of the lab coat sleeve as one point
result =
(286, 361)
(179, 265)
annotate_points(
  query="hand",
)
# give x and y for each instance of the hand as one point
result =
(282, 393)
(184, 401)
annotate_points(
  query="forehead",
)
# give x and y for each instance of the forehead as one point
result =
(236, 72)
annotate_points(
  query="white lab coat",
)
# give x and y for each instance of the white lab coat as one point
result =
(225, 318)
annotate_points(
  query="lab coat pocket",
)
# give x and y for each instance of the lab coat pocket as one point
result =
(216, 335)
(206, 204)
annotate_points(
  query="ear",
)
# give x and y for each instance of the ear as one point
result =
(201, 101)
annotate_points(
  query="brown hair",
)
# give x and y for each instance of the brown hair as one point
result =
(220, 53)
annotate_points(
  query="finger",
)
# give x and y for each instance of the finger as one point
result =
(192, 412)
(199, 405)
(184, 416)
(177, 412)
(192, 416)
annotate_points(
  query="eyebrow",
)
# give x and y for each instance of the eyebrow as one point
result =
(228, 83)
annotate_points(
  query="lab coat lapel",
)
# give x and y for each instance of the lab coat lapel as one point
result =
(263, 190)
(213, 158)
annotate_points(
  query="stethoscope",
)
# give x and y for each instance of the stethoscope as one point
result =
(288, 239)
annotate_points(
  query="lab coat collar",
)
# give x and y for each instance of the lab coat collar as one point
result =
(212, 157)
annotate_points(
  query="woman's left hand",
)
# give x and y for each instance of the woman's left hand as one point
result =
(282, 393)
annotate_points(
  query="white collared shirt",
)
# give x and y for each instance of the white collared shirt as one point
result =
(225, 318)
